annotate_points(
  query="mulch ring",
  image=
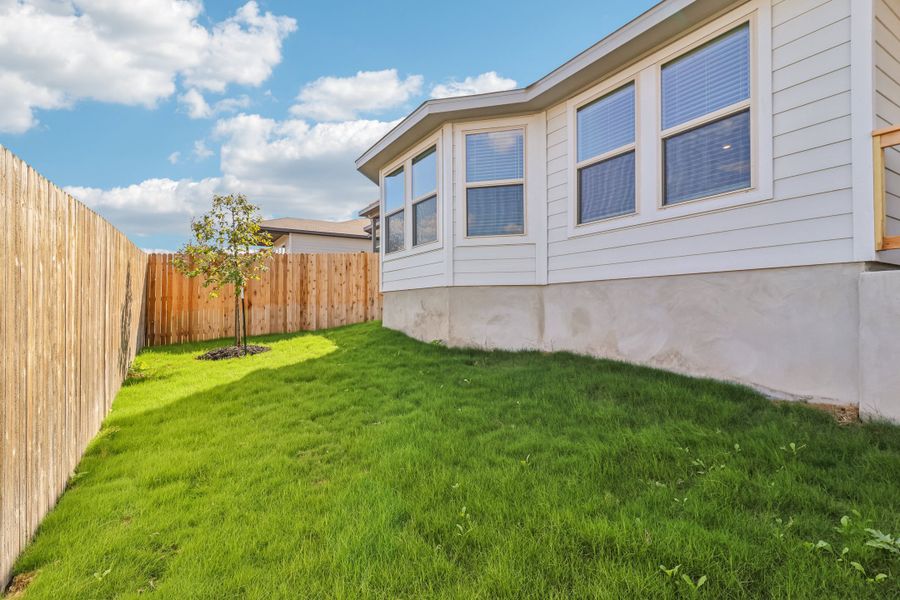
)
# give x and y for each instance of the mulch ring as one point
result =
(232, 352)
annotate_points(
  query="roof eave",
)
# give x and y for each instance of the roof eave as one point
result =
(624, 46)
(284, 230)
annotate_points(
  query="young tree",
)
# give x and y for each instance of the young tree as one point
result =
(228, 248)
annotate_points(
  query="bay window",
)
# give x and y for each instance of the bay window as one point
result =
(606, 156)
(410, 200)
(495, 183)
(706, 124)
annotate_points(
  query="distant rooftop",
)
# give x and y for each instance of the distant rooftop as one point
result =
(350, 229)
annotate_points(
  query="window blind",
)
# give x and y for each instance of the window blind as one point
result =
(711, 159)
(494, 155)
(425, 221)
(498, 210)
(606, 189)
(707, 79)
(606, 124)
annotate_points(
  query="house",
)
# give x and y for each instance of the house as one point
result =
(373, 213)
(311, 236)
(694, 192)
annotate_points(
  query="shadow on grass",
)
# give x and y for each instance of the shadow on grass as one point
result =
(370, 463)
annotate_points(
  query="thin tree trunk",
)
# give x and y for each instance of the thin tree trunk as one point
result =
(244, 313)
(237, 320)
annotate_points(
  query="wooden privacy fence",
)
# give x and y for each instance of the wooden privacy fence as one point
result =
(78, 300)
(71, 308)
(299, 292)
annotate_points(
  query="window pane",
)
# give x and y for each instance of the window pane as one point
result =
(495, 155)
(394, 188)
(424, 174)
(606, 124)
(496, 210)
(606, 189)
(708, 160)
(394, 232)
(711, 77)
(425, 221)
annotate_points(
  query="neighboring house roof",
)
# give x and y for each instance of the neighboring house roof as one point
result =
(347, 229)
(668, 19)
(371, 211)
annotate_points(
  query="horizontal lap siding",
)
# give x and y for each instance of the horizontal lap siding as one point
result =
(887, 99)
(808, 221)
(512, 264)
(422, 270)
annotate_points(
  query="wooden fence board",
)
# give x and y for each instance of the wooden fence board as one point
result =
(80, 300)
(72, 288)
(298, 292)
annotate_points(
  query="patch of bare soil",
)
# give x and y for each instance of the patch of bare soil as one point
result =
(232, 352)
(17, 587)
(844, 415)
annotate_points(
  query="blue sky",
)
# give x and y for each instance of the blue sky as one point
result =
(144, 109)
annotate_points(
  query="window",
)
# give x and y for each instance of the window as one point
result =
(606, 156)
(393, 225)
(495, 183)
(706, 119)
(394, 202)
(424, 197)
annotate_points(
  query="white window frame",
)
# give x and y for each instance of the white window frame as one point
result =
(468, 185)
(647, 73)
(413, 202)
(728, 111)
(535, 169)
(385, 214)
(593, 96)
(405, 162)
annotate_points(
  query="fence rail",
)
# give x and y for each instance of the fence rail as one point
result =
(887, 164)
(71, 304)
(298, 292)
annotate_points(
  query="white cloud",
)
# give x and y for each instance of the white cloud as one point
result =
(346, 98)
(197, 107)
(195, 104)
(242, 49)
(173, 158)
(288, 168)
(154, 206)
(294, 168)
(53, 54)
(480, 84)
(201, 151)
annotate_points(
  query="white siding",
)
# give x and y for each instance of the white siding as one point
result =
(808, 221)
(887, 98)
(800, 214)
(314, 244)
(422, 270)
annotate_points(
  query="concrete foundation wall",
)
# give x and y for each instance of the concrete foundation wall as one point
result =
(793, 332)
(879, 350)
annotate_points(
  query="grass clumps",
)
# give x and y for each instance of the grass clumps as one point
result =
(357, 463)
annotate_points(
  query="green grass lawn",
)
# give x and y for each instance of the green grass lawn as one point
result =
(358, 463)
